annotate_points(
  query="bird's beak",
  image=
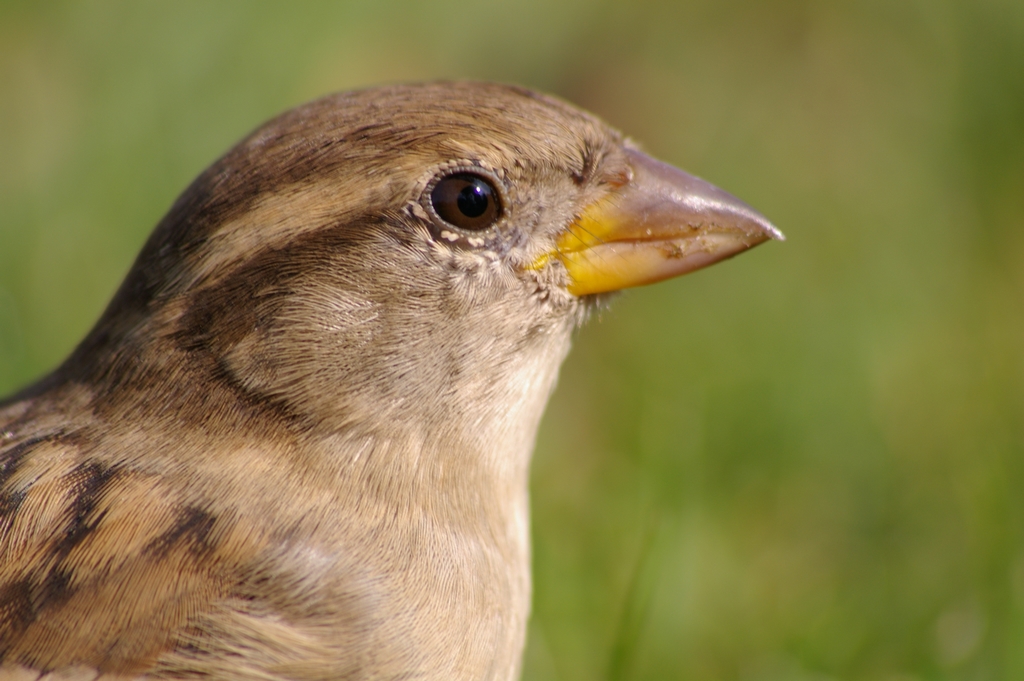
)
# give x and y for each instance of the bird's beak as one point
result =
(660, 224)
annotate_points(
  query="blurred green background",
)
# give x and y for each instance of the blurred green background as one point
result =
(805, 463)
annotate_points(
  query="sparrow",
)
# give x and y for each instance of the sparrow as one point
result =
(296, 443)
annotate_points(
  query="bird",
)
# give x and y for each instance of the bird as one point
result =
(296, 443)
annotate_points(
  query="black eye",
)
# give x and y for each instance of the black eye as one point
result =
(466, 201)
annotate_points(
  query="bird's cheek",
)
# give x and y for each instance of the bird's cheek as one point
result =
(662, 223)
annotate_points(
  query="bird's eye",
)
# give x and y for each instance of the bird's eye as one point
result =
(466, 201)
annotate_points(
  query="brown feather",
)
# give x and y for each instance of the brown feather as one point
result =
(296, 443)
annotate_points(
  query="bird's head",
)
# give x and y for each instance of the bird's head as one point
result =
(406, 252)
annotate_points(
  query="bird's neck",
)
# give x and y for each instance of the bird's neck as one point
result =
(450, 506)
(389, 486)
